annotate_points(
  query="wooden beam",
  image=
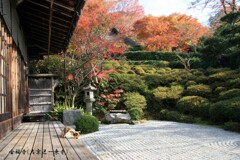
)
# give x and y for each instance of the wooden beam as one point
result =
(62, 6)
(54, 37)
(43, 6)
(38, 24)
(35, 45)
(30, 17)
(44, 30)
(43, 40)
(63, 19)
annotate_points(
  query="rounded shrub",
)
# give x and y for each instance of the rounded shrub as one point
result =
(163, 64)
(135, 113)
(222, 75)
(164, 93)
(139, 70)
(134, 100)
(204, 110)
(219, 89)
(187, 119)
(234, 83)
(201, 79)
(225, 110)
(190, 83)
(232, 126)
(163, 114)
(192, 105)
(199, 90)
(87, 124)
(235, 92)
(173, 116)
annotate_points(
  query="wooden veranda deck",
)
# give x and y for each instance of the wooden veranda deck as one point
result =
(42, 140)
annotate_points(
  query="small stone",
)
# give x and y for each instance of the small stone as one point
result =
(113, 118)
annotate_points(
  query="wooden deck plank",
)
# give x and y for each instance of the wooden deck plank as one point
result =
(6, 140)
(18, 148)
(38, 144)
(29, 143)
(79, 148)
(47, 143)
(57, 146)
(42, 140)
(70, 152)
(12, 142)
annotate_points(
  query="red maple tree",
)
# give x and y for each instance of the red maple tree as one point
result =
(98, 36)
(167, 32)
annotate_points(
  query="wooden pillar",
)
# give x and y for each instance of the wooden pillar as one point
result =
(65, 82)
(52, 93)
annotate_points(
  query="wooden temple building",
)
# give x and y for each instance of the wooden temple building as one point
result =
(29, 29)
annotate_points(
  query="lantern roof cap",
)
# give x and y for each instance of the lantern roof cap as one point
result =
(89, 87)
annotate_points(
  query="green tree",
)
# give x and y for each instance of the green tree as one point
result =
(224, 47)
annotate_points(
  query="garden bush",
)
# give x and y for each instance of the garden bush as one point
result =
(134, 100)
(194, 105)
(87, 124)
(201, 79)
(211, 71)
(219, 89)
(110, 64)
(225, 110)
(130, 82)
(136, 113)
(163, 64)
(190, 83)
(154, 80)
(235, 92)
(187, 119)
(138, 70)
(58, 111)
(163, 113)
(232, 126)
(173, 116)
(216, 84)
(168, 93)
(148, 55)
(222, 76)
(234, 83)
(198, 90)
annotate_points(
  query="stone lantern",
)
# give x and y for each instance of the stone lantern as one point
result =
(89, 97)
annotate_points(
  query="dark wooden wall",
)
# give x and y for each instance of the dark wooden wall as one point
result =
(13, 82)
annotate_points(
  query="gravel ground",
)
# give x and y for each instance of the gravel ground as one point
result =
(162, 140)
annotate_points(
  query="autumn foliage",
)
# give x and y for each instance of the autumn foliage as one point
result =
(93, 32)
(169, 32)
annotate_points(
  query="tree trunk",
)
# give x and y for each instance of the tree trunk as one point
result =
(73, 99)
(233, 5)
(224, 6)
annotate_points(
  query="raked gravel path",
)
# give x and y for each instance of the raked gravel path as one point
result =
(162, 140)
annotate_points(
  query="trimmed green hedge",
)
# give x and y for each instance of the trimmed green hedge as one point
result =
(134, 100)
(164, 93)
(199, 90)
(194, 105)
(235, 92)
(87, 124)
(164, 56)
(136, 113)
(226, 110)
(232, 126)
